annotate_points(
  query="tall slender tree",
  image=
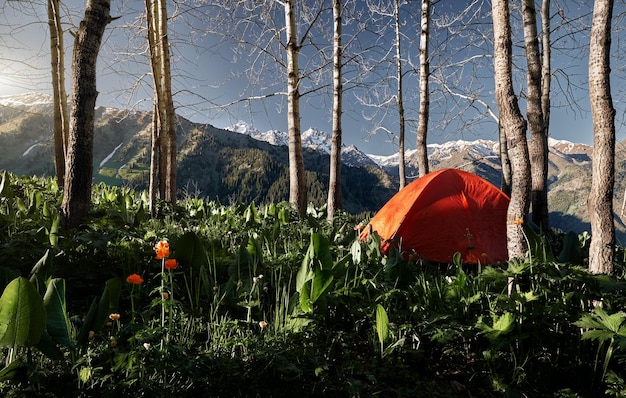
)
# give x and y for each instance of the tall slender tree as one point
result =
(167, 113)
(60, 113)
(538, 144)
(600, 202)
(424, 107)
(400, 99)
(79, 164)
(164, 128)
(153, 187)
(334, 183)
(297, 178)
(272, 35)
(514, 127)
(546, 65)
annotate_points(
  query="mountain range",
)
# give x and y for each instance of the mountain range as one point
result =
(243, 164)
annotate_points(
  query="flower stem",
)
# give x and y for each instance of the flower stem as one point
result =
(162, 293)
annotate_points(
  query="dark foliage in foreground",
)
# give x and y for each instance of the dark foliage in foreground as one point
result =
(265, 303)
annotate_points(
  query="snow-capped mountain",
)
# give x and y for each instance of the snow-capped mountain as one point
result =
(441, 152)
(479, 156)
(274, 137)
(34, 102)
(312, 138)
(27, 99)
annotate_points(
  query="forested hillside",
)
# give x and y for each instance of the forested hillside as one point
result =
(212, 163)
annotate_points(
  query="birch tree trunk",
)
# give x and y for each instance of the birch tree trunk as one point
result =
(600, 202)
(297, 178)
(61, 115)
(424, 107)
(334, 184)
(155, 61)
(538, 144)
(167, 113)
(546, 65)
(400, 101)
(505, 162)
(153, 188)
(163, 149)
(514, 127)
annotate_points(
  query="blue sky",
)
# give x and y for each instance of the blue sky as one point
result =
(205, 79)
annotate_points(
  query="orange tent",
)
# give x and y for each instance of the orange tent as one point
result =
(445, 212)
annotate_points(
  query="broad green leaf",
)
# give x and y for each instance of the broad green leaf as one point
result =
(21, 205)
(321, 250)
(16, 370)
(342, 265)
(42, 271)
(45, 210)
(251, 215)
(109, 302)
(602, 326)
(255, 248)
(382, 324)
(48, 347)
(305, 301)
(611, 322)
(597, 334)
(356, 252)
(305, 273)
(321, 281)
(504, 324)
(318, 283)
(57, 322)
(270, 210)
(587, 321)
(190, 251)
(501, 325)
(283, 216)
(22, 314)
(141, 214)
(525, 297)
(54, 230)
(83, 334)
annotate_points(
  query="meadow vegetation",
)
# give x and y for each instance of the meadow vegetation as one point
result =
(208, 299)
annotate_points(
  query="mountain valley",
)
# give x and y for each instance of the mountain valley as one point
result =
(246, 165)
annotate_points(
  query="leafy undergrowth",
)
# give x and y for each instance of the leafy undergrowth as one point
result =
(233, 300)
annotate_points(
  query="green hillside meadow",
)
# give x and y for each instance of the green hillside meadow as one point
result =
(241, 300)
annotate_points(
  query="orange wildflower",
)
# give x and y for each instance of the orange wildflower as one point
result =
(114, 316)
(162, 249)
(171, 264)
(135, 279)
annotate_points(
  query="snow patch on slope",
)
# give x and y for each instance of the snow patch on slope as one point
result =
(110, 155)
